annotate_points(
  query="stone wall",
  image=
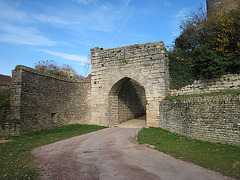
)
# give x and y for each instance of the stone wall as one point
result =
(209, 118)
(5, 82)
(4, 87)
(229, 81)
(132, 101)
(214, 6)
(146, 64)
(40, 101)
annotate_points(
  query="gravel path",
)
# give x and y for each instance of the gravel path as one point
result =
(111, 154)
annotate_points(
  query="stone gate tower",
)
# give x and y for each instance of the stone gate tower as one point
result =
(128, 82)
(218, 5)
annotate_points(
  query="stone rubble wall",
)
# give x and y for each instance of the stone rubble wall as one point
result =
(4, 87)
(40, 101)
(214, 6)
(228, 81)
(209, 118)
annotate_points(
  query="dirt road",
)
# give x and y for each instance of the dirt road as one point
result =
(111, 154)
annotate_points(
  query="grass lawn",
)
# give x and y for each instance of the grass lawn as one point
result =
(15, 158)
(215, 156)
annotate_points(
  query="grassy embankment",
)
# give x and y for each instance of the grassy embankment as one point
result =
(15, 158)
(218, 157)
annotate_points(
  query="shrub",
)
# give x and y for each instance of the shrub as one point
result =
(54, 69)
(208, 62)
(180, 69)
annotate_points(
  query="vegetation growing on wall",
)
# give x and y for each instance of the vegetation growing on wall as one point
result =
(4, 106)
(223, 92)
(207, 47)
(51, 67)
(180, 69)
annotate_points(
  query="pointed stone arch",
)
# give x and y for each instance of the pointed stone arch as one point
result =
(127, 100)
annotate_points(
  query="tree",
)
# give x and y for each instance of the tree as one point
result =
(192, 31)
(211, 44)
(51, 67)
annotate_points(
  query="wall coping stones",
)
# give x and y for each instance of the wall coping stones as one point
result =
(35, 71)
(227, 81)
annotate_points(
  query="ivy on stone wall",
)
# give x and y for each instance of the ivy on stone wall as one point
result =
(4, 105)
(180, 69)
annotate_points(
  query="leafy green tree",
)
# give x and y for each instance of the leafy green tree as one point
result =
(192, 31)
(210, 46)
(181, 69)
(208, 62)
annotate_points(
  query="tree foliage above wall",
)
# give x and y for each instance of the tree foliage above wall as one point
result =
(51, 67)
(207, 47)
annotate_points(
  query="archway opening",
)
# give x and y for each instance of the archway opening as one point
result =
(127, 101)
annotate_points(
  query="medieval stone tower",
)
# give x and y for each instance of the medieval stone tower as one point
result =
(218, 5)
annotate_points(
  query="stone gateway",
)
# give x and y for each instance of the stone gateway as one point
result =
(128, 82)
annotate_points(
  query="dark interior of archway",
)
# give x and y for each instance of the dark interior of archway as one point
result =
(131, 101)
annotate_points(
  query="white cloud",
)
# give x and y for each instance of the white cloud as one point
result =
(37, 27)
(182, 13)
(23, 35)
(84, 1)
(54, 20)
(176, 21)
(127, 2)
(26, 40)
(166, 3)
(67, 56)
(15, 27)
(9, 13)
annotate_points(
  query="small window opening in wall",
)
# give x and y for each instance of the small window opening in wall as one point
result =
(53, 117)
(102, 65)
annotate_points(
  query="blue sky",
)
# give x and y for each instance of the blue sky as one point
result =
(65, 30)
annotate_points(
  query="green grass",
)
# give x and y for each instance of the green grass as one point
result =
(218, 157)
(224, 92)
(15, 158)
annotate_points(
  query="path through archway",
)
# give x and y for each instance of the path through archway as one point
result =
(127, 100)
